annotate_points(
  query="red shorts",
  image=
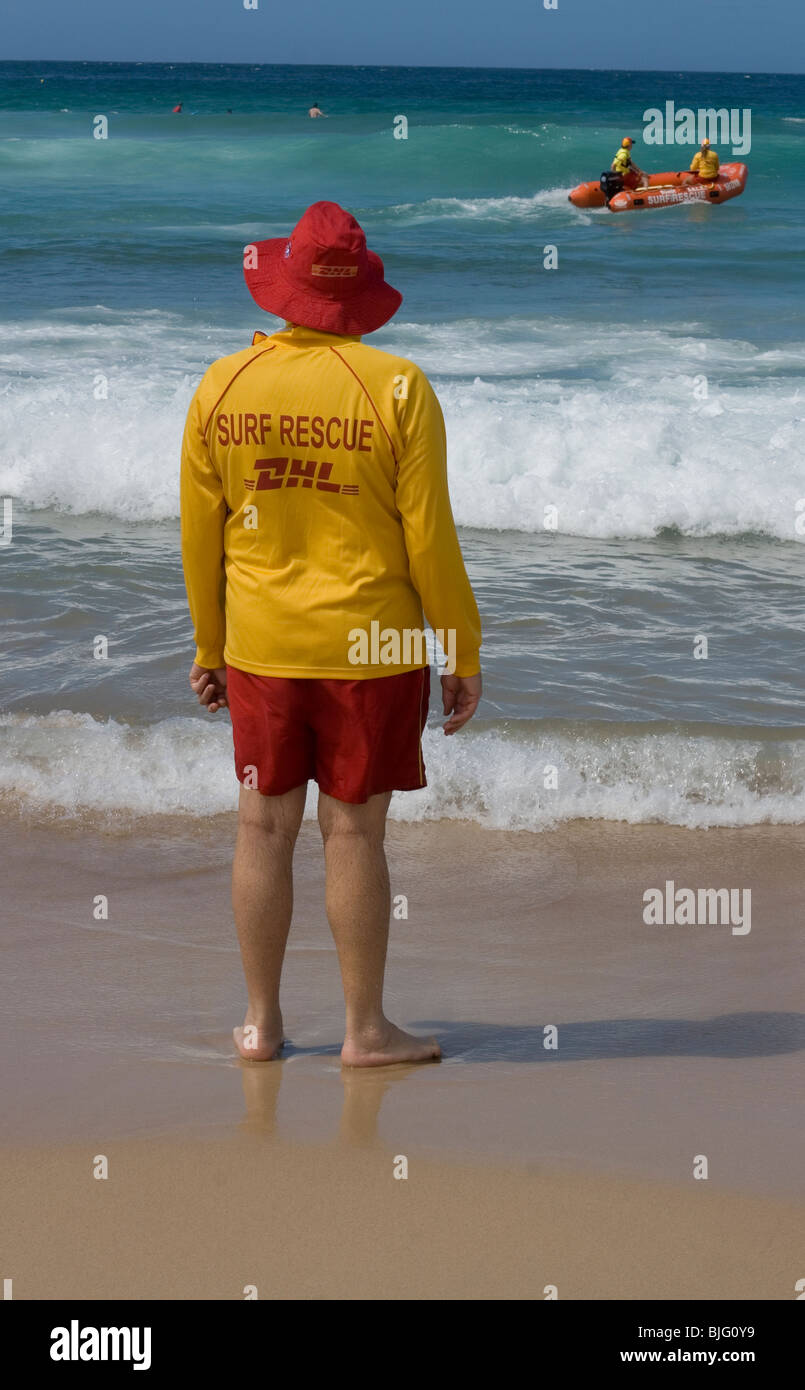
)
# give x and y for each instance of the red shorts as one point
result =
(355, 738)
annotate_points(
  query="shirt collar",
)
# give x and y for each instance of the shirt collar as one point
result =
(295, 335)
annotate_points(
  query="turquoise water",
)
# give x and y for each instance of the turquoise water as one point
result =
(651, 388)
(459, 208)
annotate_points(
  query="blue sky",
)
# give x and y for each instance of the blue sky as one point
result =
(710, 35)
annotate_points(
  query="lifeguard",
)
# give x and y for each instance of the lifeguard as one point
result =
(705, 162)
(315, 508)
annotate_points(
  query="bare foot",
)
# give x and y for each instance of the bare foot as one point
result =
(381, 1047)
(258, 1044)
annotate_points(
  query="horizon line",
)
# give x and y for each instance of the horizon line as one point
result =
(384, 67)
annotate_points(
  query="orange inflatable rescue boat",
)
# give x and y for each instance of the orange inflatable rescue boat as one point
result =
(661, 190)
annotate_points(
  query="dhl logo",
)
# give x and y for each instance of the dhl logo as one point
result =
(333, 271)
(302, 473)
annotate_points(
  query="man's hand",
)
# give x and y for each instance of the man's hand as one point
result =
(460, 696)
(209, 686)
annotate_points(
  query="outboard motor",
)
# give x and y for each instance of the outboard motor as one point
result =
(611, 183)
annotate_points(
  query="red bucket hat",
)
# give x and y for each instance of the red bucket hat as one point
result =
(323, 275)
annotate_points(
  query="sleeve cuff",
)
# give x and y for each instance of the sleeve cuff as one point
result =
(468, 665)
(209, 658)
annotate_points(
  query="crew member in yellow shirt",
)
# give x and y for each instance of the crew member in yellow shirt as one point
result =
(623, 164)
(705, 163)
(316, 528)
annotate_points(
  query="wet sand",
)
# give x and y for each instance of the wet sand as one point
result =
(528, 1165)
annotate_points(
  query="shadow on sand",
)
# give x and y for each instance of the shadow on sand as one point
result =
(760, 1034)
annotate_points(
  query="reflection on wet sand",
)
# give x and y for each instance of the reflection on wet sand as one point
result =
(363, 1092)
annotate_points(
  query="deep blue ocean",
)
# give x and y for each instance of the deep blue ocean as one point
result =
(651, 388)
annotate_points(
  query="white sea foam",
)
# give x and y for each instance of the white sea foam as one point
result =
(506, 209)
(73, 764)
(607, 425)
(625, 462)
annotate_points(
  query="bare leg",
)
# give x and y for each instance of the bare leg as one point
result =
(262, 899)
(358, 906)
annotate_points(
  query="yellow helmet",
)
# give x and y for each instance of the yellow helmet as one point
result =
(627, 141)
(705, 144)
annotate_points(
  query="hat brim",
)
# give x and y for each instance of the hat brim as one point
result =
(367, 309)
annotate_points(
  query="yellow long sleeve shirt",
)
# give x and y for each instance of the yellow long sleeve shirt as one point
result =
(315, 506)
(705, 163)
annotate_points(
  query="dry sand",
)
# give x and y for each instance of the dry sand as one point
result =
(205, 1219)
